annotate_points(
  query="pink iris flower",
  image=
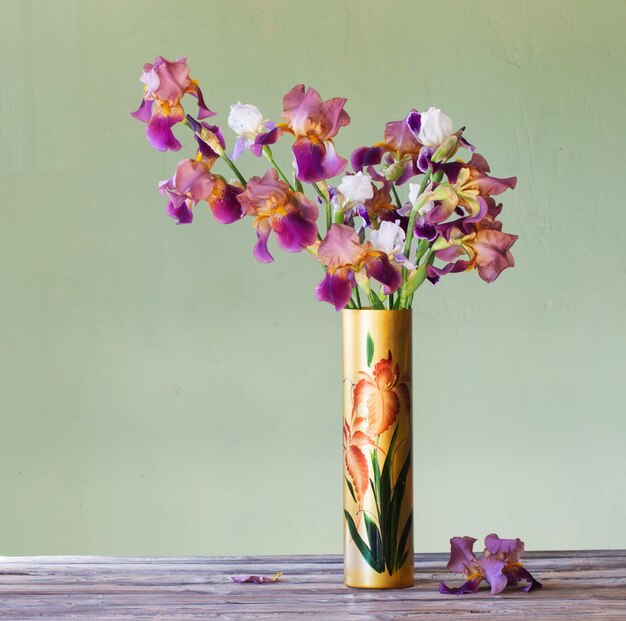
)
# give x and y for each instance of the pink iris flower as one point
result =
(165, 84)
(291, 215)
(193, 182)
(484, 244)
(314, 123)
(346, 259)
(400, 147)
(500, 565)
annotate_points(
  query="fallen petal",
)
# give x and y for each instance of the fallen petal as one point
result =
(257, 579)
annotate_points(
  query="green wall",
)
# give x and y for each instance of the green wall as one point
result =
(163, 393)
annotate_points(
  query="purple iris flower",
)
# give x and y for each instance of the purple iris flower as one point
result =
(166, 82)
(314, 123)
(499, 566)
(290, 215)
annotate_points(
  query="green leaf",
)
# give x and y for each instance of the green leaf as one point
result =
(370, 349)
(400, 552)
(373, 562)
(351, 490)
(385, 498)
(373, 536)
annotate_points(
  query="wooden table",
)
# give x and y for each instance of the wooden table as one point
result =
(577, 585)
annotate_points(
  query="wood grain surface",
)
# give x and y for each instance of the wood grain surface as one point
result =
(577, 585)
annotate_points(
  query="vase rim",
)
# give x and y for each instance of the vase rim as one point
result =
(376, 310)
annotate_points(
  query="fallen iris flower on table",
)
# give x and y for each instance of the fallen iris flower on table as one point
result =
(257, 579)
(499, 566)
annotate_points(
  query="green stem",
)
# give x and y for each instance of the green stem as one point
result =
(409, 232)
(390, 301)
(326, 203)
(234, 168)
(267, 152)
(357, 295)
(397, 198)
(413, 216)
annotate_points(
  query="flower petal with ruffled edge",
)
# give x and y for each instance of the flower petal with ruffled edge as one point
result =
(223, 201)
(515, 574)
(307, 114)
(462, 557)
(469, 586)
(193, 180)
(182, 212)
(486, 184)
(203, 110)
(379, 267)
(493, 256)
(335, 288)
(340, 247)
(293, 232)
(492, 570)
(316, 160)
(260, 252)
(159, 127)
(267, 138)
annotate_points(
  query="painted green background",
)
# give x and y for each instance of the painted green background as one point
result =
(163, 393)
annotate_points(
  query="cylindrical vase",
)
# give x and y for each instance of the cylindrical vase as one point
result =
(377, 440)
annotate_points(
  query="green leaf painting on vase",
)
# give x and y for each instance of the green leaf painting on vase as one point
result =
(380, 397)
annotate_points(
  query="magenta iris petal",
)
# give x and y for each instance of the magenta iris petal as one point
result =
(509, 550)
(470, 586)
(410, 170)
(261, 140)
(223, 201)
(366, 156)
(159, 132)
(260, 252)
(414, 122)
(492, 570)
(451, 169)
(333, 163)
(316, 160)
(424, 229)
(334, 289)
(399, 137)
(423, 159)
(379, 267)
(144, 112)
(293, 232)
(309, 160)
(462, 557)
(516, 574)
(203, 110)
(182, 213)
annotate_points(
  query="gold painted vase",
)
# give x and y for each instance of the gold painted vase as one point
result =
(377, 441)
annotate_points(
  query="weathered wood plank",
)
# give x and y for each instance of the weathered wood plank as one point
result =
(578, 585)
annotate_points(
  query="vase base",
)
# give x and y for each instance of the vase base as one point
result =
(380, 583)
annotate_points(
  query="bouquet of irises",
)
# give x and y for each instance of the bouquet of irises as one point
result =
(376, 243)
